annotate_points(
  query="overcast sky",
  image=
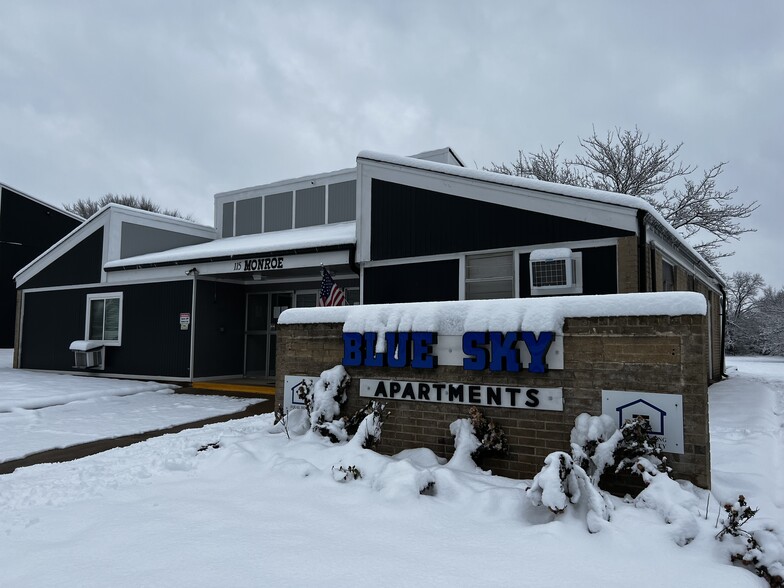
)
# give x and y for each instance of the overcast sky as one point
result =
(179, 100)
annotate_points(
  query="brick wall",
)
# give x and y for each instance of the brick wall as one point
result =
(651, 354)
(628, 266)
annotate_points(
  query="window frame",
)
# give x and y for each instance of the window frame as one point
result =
(511, 278)
(104, 296)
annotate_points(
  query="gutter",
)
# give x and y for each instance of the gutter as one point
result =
(642, 237)
(723, 330)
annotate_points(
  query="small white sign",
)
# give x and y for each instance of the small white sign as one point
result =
(485, 395)
(663, 411)
(291, 387)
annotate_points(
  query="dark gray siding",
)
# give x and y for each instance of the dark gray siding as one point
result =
(79, 265)
(411, 222)
(140, 239)
(220, 316)
(27, 229)
(152, 342)
(412, 282)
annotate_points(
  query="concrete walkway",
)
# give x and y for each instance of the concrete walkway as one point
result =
(84, 449)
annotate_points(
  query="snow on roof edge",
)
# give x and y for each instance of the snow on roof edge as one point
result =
(613, 198)
(343, 233)
(514, 314)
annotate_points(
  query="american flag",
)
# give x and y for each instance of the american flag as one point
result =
(331, 294)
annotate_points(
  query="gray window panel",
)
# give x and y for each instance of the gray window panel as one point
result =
(277, 211)
(494, 265)
(489, 276)
(310, 206)
(228, 220)
(342, 201)
(249, 216)
(306, 300)
(489, 289)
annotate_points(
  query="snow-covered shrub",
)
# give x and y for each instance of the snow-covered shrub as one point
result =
(677, 506)
(598, 446)
(466, 444)
(492, 439)
(366, 423)
(323, 400)
(562, 482)
(762, 550)
(344, 474)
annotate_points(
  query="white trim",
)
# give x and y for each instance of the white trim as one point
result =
(94, 285)
(91, 374)
(104, 296)
(665, 249)
(193, 327)
(588, 244)
(110, 217)
(551, 203)
(461, 277)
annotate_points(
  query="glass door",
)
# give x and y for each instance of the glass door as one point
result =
(262, 312)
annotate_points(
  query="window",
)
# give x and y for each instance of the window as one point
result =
(556, 271)
(489, 275)
(278, 211)
(342, 201)
(309, 206)
(668, 276)
(104, 318)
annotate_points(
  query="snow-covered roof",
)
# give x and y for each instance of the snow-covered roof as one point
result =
(591, 194)
(100, 219)
(291, 240)
(513, 314)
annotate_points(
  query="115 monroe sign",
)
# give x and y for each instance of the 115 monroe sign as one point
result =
(487, 395)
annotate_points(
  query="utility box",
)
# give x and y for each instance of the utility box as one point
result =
(88, 355)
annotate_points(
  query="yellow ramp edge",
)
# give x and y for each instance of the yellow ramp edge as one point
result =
(218, 386)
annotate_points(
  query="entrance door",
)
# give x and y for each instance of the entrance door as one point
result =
(261, 321)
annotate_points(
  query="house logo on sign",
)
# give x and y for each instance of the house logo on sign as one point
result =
(664, 412)
(641, 408)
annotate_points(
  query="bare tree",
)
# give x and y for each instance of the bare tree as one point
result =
(630, 163)
(86, 207)
(742, 291)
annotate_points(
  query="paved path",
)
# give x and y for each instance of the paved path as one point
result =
(85, 449)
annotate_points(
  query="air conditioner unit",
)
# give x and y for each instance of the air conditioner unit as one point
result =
(87, 355)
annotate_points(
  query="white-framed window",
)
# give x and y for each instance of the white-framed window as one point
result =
(556, 271)
(104, 318)
(489, 275)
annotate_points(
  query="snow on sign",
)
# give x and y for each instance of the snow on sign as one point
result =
(489, 395)
(664, 412)
(291, 387)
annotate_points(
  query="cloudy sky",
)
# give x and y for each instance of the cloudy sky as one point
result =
(179, 100)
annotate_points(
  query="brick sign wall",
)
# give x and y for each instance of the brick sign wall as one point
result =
(648, 354)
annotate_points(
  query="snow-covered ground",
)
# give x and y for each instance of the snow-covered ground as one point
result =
(259, 509)
(40, 411)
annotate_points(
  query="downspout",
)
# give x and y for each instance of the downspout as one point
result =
(723, 329)
(194, 274)
(641, 254)
(352, 258)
